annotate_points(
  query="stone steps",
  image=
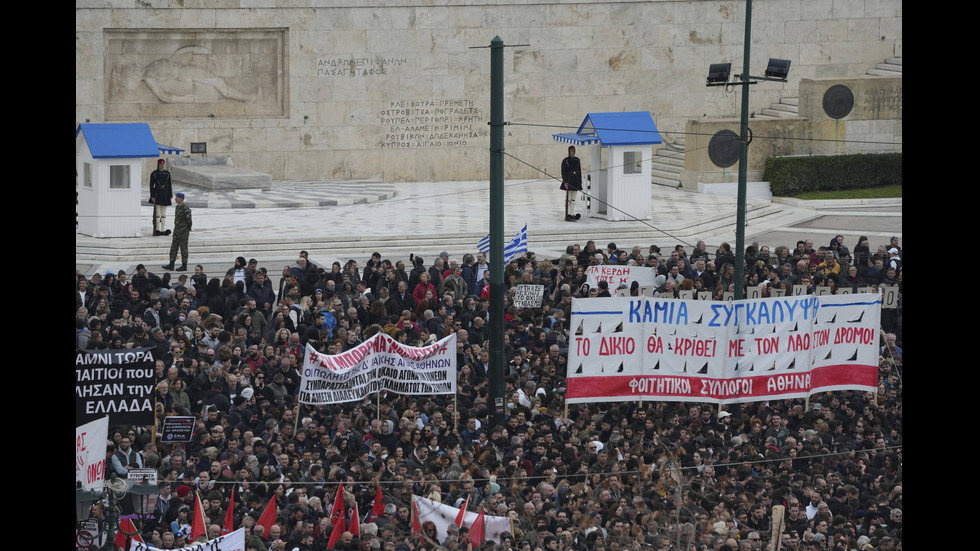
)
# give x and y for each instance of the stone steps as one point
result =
(892, 67)
(786, 108)
(789, 107)
(668, 164)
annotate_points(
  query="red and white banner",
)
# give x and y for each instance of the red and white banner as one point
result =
(443, 515)
(379, 363)
(642, 348)
(90, 446)
(620, 275)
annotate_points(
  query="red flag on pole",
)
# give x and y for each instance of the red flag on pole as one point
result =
(338, 505)
(199, 525)
(478, 529)
(378, 508)
(462, 513)
(268, 517)
(355, 523)
(126, 525)
(338, 530)
(416, 523)
(230, 515)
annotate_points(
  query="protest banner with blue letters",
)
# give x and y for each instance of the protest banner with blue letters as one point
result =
(642, 348)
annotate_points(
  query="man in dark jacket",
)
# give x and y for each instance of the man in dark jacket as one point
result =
(261, 290)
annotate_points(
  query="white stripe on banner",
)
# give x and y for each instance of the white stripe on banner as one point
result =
(517, 245)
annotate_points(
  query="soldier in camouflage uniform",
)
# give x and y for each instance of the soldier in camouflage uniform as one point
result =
(182, 230)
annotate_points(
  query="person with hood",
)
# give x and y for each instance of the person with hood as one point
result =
(322, 328)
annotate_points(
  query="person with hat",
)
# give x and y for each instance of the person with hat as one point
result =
(183, 222)
(571, 182)
(161, 190)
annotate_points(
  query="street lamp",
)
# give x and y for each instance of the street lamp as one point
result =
(87, 523)
(718, 74)
(131, 499)
(777, 71)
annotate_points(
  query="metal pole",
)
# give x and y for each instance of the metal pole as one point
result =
(497, 231)
(743, 161)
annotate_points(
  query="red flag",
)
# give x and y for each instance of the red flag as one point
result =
(230, 515)
(338, 530)
(355, 523)
(478, 529)
(268, 517)
(199, 525)
(338, 505)
(462, 513)
(378, 508)
(416, 523)
(126, 525)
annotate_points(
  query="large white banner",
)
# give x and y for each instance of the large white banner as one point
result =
(620, 275)
(642, 348)
(379, 363)
(443, 515)
(90, 446)
(235, 541)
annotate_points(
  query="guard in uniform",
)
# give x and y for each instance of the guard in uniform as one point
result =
(571, 182)
(161, 190)
(182, 231)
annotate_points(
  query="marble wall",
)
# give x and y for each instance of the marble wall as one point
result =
(306, 89)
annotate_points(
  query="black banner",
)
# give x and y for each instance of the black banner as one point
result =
(177, 429)
(117, 383)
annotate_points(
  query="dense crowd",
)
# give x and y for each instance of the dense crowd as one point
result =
(586, 477)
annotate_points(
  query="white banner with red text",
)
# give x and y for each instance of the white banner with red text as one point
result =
(90, 447)
(620, 275)
(379, 363)
(642, 348)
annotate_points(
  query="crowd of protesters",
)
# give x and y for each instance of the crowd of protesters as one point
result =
(585, 477)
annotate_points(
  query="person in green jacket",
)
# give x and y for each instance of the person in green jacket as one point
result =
(182, 231)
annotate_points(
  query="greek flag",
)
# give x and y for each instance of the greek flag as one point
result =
(517, 245)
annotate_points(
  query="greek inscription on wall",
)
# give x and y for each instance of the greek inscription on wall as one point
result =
(358, 66)
(432, 123)
(879, 100)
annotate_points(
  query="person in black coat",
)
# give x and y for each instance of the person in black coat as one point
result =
(161, 193)
(571, 182)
